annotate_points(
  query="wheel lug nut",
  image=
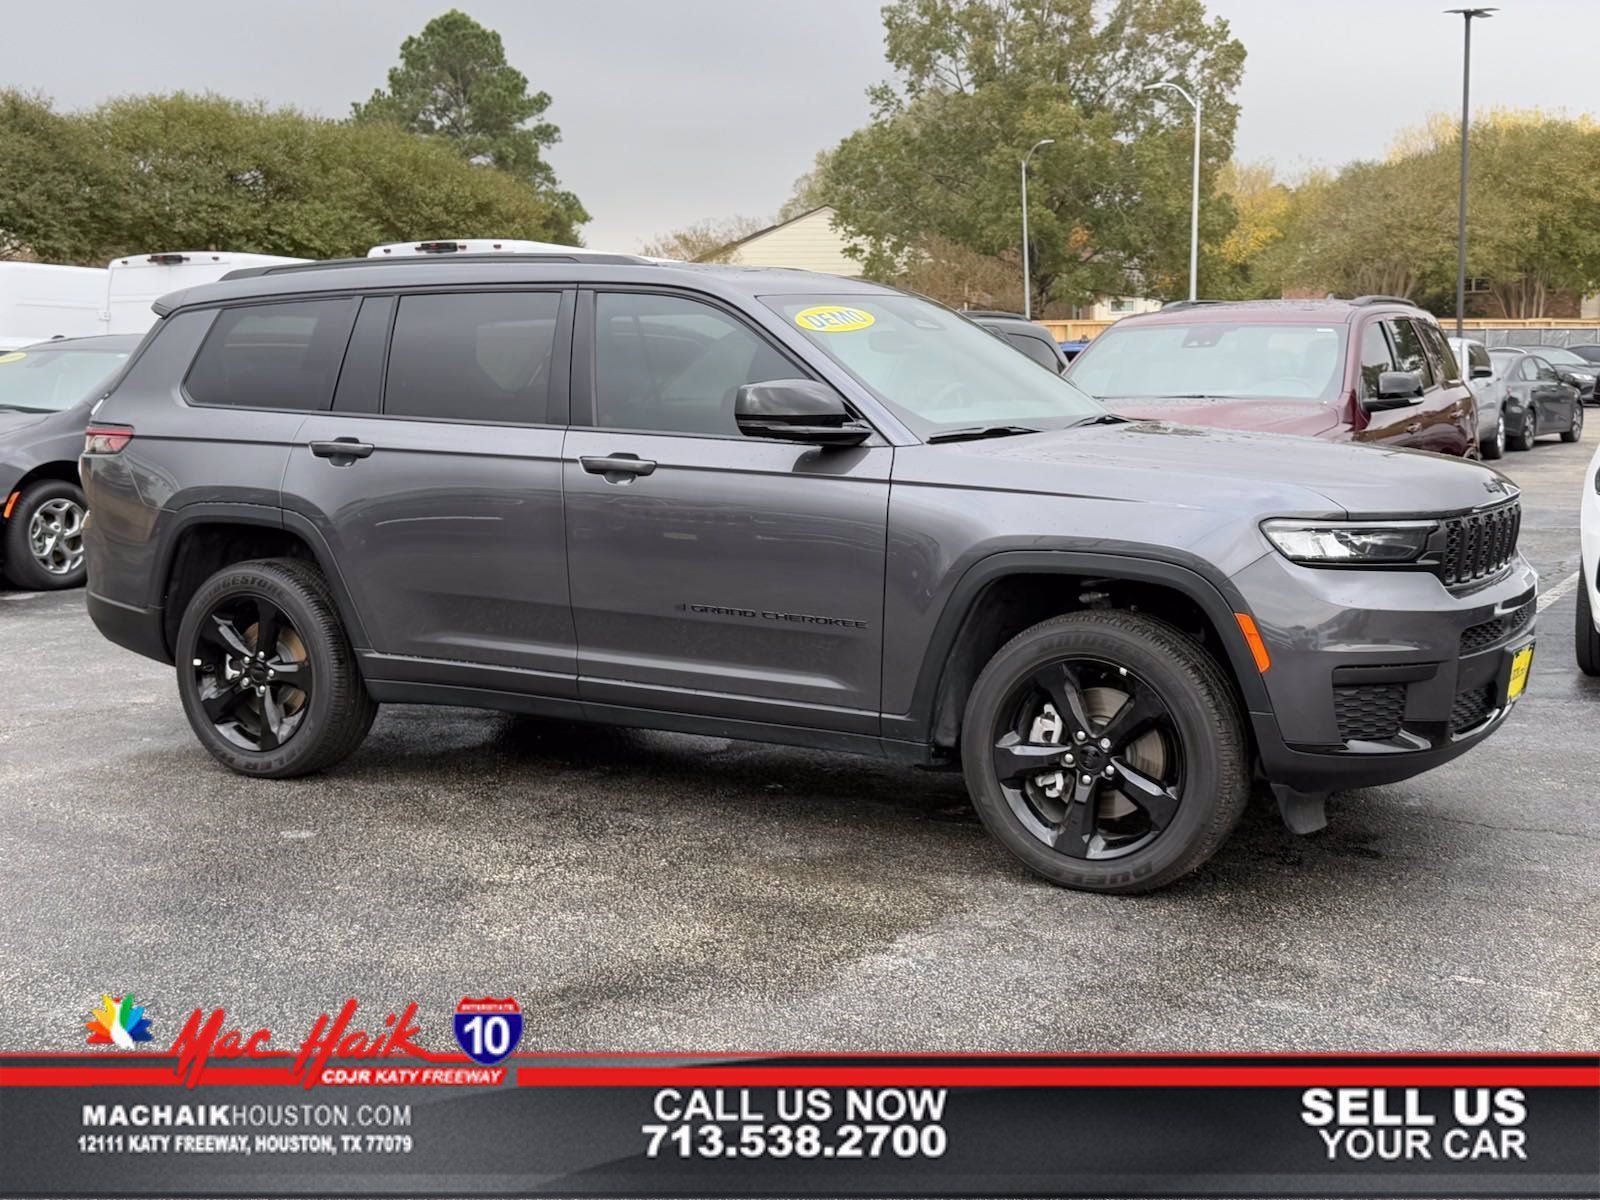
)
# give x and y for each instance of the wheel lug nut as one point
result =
(1105, 743)
(1085, 778)
(1080, 735)
(1109, 772)
(197, 662)
(1069, 760)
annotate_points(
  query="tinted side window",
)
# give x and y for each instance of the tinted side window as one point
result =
(361, 379)
(1408, 352)
(283, 356)
(1545, 370)
(1375, 357)
(1477, 357)
(473, 356)
(669, 364)
(1034, 349)
(1444, 358)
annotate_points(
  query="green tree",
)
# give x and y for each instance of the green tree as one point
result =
(454, 82)
(980, 81)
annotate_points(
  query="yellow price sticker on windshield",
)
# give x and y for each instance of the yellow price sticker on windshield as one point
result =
(14, 356)
(833, 318)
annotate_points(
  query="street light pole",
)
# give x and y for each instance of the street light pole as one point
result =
(1461, 201)
(1027, 276)
(1194, 194)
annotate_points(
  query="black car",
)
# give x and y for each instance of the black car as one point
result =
(1589, 354)
(46, 391)
(1573, 368)
(1538, 399)
(1016, 330)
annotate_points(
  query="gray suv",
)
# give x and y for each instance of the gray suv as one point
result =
(791, 507)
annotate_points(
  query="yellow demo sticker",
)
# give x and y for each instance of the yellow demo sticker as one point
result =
(14, 356)
(833, 318)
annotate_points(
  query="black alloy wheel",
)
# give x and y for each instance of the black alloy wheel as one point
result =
(1495, 447)
(1574, 431)
(1527, 431)
(253, 674)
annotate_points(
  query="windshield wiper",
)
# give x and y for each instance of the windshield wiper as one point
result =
(20, 408)
(1100, 419)
(972, 433)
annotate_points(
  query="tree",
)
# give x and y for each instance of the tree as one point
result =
(454, 83)
(704, 241)
(1239, 267)
(197, 172)
(980, 81)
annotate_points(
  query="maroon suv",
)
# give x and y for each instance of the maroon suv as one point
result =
(1372, 369)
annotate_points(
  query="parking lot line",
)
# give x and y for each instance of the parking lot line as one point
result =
(1560, 590)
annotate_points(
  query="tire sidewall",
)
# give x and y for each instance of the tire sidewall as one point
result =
(1191, 837)
(304, 744)
(21, 568)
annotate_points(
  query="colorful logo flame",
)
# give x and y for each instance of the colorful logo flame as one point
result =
(118, 1022)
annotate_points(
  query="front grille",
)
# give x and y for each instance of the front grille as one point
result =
(1480, 637)
(1369, 712)
(1471, 706)
(1479, 545)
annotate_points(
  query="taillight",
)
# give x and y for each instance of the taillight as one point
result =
(106, 439)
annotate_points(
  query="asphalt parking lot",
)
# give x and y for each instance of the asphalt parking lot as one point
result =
(653, 891)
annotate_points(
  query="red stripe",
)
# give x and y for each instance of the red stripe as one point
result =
(140, 1076)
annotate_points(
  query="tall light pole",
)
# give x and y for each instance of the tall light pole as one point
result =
(1461, 201)
(1194, 198)
(1027, 277)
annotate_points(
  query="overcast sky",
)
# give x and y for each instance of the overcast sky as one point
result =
(676, 110)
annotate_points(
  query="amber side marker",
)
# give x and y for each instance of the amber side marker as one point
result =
(11, 502)
(1252, 636)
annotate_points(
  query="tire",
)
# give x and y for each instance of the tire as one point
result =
(1495, 445)
(309, 682)
(1574, 431)
(1527, 431)
(1586, 638)
(44, 537)
(1199, 755)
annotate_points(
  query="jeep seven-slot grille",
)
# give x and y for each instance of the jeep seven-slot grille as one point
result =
(1480, 544)
(1369, 712)
(1480, 637)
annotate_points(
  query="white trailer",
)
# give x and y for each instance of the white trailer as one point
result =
(40, 301)
(135, 282)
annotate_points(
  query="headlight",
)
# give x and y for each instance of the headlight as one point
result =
(1350, 542)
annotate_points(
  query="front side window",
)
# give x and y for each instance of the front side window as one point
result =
(1232, 360)
(54, 380)
(1408, 352)
(937, 370)
(1376, 358)
(1546, 371)
(669, 364)
(1443, 356)
(279, 356)
(473, 356)
(1528, 369)
(1477, 356)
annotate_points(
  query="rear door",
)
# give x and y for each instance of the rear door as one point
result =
(713, 573)
(1554, 401)
(436, 484)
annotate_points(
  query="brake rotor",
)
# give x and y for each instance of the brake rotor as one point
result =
(290, 648)
(1147, 754)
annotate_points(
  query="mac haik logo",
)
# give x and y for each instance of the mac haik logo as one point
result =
(208, 1036)
(118, 1022)
(488, 1029)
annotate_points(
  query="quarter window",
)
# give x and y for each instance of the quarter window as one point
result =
(473, 356)
(1376, 358)
(1408, 352)
(672, 365)
(280, 356)
(1528, 369)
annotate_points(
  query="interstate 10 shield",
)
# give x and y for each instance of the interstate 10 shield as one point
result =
(488, 1029)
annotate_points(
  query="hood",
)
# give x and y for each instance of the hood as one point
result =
(1247, 474)
(15, 422)
(1307, 418)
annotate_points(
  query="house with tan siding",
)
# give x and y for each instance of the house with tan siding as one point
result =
(808, 242)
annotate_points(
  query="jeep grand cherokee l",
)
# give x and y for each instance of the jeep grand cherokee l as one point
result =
(775, 505)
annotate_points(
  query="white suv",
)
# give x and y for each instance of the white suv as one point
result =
(1588, 632)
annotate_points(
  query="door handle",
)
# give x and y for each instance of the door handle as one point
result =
(346, 448)
(617, 464)
(1414, 427)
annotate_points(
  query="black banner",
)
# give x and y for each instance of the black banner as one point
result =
(151, 1125)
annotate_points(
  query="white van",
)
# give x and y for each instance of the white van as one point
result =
(471, 246)
(136, 281)
(40, 301)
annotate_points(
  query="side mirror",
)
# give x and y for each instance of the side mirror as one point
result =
(1483, 372)
(1396, 389)
(797, 410)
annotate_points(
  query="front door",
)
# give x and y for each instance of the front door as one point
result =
(437, 485)
(713, 573)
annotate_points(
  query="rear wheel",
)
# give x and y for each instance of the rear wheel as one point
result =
(1495, 445)
(267, 676)
(1525, 433)
(1586, 637)
(1106, 751)
(44, 537)
(1575, 430)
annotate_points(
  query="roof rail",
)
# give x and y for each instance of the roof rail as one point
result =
(992, 313)
(329, 264)
(1360, 300)
(1174, 305)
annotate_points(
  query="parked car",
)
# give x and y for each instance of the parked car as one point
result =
(1573, 368)
(1373, 369)
(1016, 330)
(1489, 392)
(45, 395)
(1587, 625)
(1590, 354)
(784, 506)
(1538, 401)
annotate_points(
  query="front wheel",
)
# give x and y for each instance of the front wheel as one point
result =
(1586, 637)
(266, 674)
(44, 537)
(1575, 430)
(1495, 445)
(1527, 430)
(1106, 751)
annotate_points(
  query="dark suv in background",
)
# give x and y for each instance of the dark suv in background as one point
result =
(1372, 369)
(788, 507)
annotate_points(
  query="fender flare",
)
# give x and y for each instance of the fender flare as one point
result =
(1186, 574)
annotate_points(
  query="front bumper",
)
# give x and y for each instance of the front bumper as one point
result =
(1377, 676)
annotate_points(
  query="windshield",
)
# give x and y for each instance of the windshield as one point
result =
(54, 380)
(935, 369)
(1214, 359)
(1565, 357)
